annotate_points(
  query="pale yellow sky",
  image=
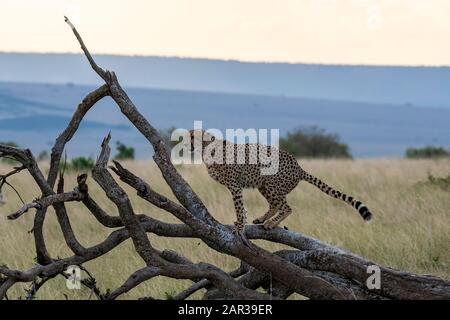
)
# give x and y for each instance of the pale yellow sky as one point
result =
(406, 32)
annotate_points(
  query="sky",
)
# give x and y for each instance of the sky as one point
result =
(377, 32)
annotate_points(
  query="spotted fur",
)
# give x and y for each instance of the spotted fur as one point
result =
(246, 173)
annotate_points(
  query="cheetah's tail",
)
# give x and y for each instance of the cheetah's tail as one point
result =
(358, 205)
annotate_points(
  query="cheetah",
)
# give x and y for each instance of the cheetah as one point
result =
(247, 173)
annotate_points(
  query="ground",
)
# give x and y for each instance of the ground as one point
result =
(410, 229)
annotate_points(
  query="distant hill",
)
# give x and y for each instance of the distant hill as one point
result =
(418, 86)
(34, 114)
(50, 124)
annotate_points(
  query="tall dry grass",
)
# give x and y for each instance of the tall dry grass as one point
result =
(410, 229)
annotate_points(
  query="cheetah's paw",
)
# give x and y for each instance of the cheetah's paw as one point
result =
(258, 221)
(269, 224)
(238, 227)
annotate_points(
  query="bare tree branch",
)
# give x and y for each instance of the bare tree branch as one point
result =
(134, 280)
(205, 283)
(78, 194)
(3, 181)
(94, 66)
(57, 150)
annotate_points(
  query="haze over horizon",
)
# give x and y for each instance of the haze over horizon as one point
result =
(355, 32)
(231, 59)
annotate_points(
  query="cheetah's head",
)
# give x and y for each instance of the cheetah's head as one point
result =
(200, 138)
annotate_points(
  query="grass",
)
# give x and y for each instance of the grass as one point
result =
(410, 229)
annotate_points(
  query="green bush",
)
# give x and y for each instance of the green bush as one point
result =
(124, 152)
(426, 152)
(314, 142)
(80, 164)
(442, 182)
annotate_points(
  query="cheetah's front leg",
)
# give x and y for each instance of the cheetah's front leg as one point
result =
(241, 216)
(241, 212)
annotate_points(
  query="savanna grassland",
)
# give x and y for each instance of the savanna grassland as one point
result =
(410, 229)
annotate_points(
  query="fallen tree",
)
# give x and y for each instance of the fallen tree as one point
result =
(312, 269)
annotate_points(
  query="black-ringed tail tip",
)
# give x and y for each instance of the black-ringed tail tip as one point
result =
(358, 205)
(365, 213)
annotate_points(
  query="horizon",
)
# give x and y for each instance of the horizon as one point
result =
(233, 60)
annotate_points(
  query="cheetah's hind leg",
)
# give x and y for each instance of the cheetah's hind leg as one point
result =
(273, 207)
(284, 212)
(269, 214)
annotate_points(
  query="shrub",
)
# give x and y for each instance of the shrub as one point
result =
(124, 152)
(442, 182)
(80, 164)
(314, 142)
(426, 152)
